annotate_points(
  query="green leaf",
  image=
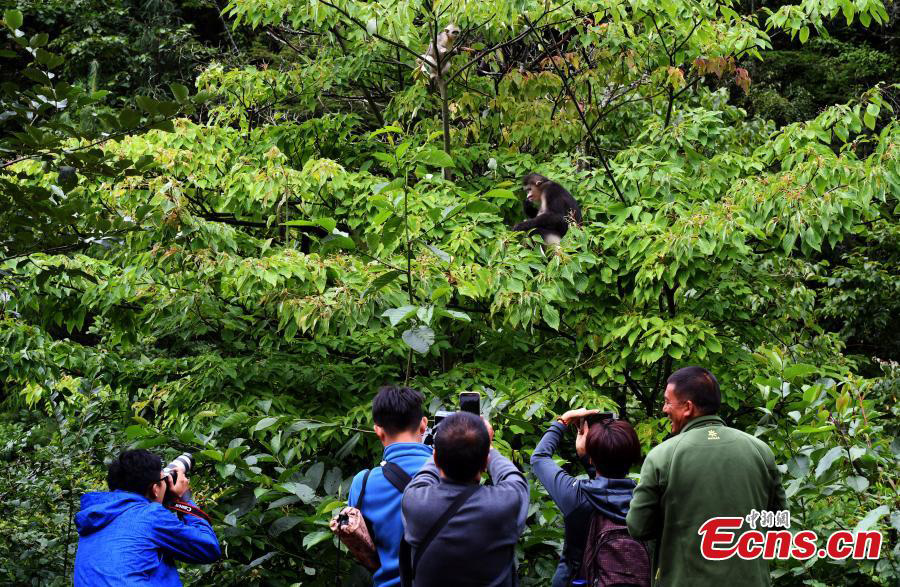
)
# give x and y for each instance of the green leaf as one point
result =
(871, 518)
(179, 91)
(305, 425)
(137, 432)
(337, 241)
(213, 454)
(551, 316)
(481, 207)
(869, 120)
(147, 104)
(256, 562)
(858, 483)
(329, 224)
(264, 423)
(419, 339)
(39, 40)
(798, 371)
(435, 157)
(283, 524)
(798, 466)
(13, 18)
(301, 490)
(314, 538)
(829, 459)
(313, 475)
(382, 280)
(804, 34)
(440, 254)
(500, 193)
(398, 315)
(284, 501)
(348, 446)
(813, 429)
(384, 129)
(462, 316)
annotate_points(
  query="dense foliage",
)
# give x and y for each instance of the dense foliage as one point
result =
(232, 264)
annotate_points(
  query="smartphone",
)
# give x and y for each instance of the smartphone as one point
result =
(470, 401)
(599, 417)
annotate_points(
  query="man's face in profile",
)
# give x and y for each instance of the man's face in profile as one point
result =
(678, 412)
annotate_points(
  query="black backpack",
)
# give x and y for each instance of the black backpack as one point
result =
(613, 557)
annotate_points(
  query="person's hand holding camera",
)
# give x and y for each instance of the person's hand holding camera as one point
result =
(181, 486)
(574, 416)
(490, 428)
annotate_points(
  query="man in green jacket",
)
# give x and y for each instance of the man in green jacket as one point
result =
(705, 470)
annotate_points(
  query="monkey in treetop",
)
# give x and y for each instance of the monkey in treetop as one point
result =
(443, 49)
(549, 207)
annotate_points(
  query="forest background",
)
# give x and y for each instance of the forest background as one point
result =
(223, 226)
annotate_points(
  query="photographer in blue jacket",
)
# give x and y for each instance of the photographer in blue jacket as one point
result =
(128, 537)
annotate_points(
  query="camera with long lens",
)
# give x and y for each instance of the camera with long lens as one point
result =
(185, 462)
(469, 401)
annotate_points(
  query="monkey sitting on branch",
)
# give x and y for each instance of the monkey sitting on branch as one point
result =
(549, 207)
(439, 52)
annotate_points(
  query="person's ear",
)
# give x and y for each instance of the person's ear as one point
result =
(380, 433)
(423, 425)
(690, 410)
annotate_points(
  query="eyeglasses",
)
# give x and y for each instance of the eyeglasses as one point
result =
(671, 404)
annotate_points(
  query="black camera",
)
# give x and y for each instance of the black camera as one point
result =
(594, 418)
(469, 401)
(429, 434)
(343, 519)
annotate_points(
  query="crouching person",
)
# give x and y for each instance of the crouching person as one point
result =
(127, 536)
(457, 531)
(597, 546)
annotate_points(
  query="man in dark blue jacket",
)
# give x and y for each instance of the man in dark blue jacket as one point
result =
(127, 537)
(400, 425)
(608, 449)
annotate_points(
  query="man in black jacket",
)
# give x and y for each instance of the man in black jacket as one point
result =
(460, 532)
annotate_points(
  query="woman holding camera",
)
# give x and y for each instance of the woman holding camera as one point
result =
(608, 448)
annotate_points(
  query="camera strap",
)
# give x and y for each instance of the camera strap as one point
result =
(183, 507)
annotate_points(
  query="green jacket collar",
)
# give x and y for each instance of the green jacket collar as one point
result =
(703, 421)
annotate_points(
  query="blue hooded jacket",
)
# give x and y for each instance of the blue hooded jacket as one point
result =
(577, 500)
(381, 506)
(126, 539)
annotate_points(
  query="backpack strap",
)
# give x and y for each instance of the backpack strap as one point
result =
(395, 475)
(359, 502)
(362, 491)
(441, 522)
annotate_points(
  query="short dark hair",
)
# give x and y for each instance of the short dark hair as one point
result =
(135, 471)
(699, 386)
(613, 446)
(461, 446)
(397, 409)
